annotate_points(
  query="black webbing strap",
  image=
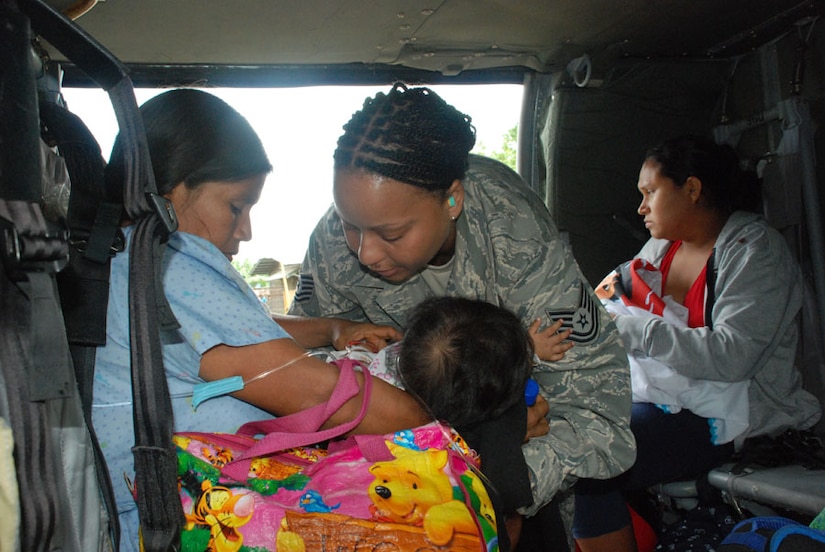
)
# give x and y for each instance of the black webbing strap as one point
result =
(161, 513)
(35, 465)
(75, 43)
(32, 447)
(155, 460)
(21, 229)
(159, 506)
(710, 288)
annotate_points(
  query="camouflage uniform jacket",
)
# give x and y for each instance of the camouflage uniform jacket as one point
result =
(509, 253)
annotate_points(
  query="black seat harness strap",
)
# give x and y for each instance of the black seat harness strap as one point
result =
(159, 506)
(710, 288)
(29, 252)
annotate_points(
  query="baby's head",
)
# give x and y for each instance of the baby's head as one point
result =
(468, 361)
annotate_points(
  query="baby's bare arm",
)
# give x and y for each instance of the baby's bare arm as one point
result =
(549, 344)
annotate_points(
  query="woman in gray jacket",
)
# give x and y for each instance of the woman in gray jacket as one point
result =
(743, 290)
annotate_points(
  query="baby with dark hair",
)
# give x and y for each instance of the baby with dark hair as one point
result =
(468, 362)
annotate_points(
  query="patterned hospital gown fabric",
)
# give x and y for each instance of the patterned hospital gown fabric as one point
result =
(213, 305)
(509, 253)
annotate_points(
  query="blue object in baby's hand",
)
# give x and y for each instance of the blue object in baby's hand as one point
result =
(531, 391)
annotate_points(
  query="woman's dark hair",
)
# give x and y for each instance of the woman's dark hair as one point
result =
(725, 185)
(410, 135)
(467, 361)
(194, 137)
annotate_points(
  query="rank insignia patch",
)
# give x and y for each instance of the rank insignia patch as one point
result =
(306, 285)
(583, 321)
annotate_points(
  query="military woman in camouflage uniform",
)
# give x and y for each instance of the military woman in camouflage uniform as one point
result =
(416, 216)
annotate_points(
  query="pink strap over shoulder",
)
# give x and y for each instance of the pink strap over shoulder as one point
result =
(303, 428)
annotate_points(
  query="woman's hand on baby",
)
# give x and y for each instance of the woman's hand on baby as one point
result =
(549, 344)
(371, 336)
(537, 424)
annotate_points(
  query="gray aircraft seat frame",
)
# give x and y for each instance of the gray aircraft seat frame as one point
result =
(791, 488)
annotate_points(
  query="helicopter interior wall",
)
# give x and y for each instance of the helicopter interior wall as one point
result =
(766, 103)
(595, 139)
(793, 67)
(788, 69)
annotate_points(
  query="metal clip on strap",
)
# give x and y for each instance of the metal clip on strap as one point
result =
(164, 209)
(25, 238)
(10, 254)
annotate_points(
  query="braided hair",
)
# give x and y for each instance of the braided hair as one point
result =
(725, 185)
(410, 135)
